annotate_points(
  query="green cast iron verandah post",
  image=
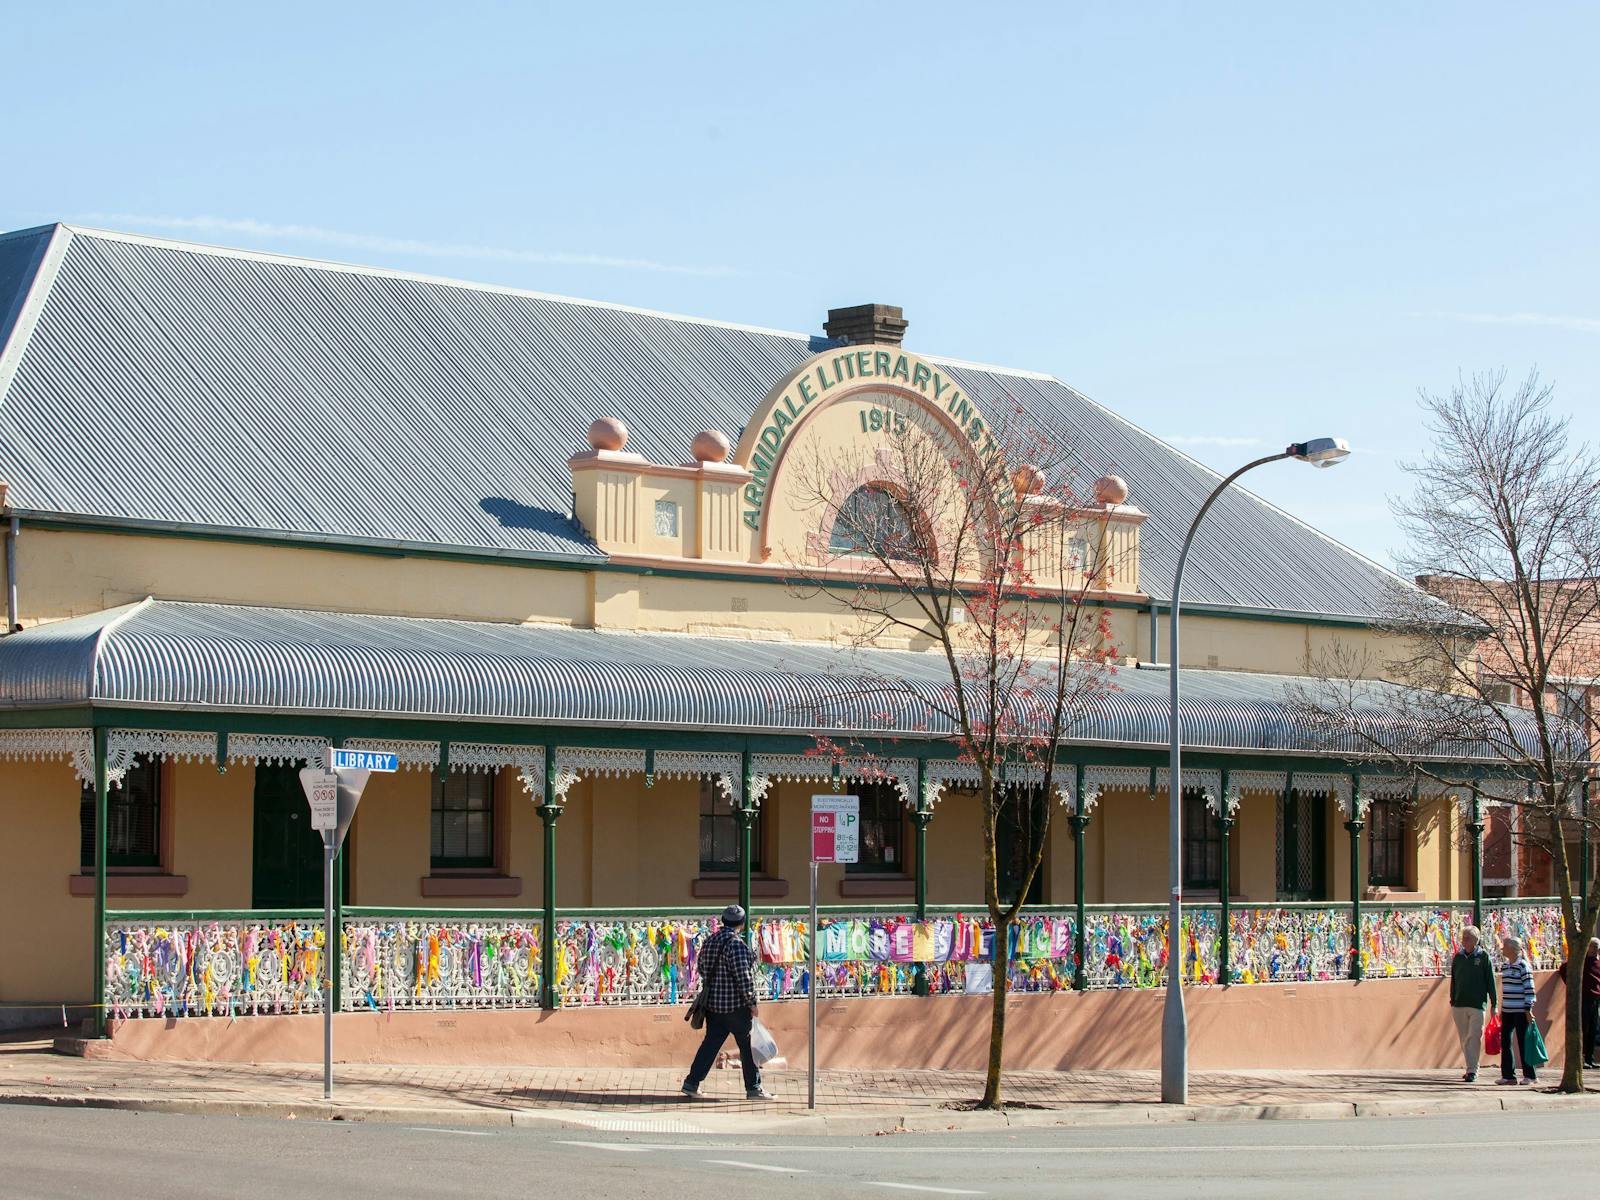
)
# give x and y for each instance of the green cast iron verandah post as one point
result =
(922, 814)
(101, 818)
(746, 817)
(1226, 821)
(1476, 829)
(1080, 823)
(549, 812)
(1354, 825)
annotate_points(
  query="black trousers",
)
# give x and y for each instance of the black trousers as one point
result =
(718, 1027)
(1513, 1032)
(1591, 1019)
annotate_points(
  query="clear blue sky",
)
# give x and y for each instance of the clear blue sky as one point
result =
(1235, 224)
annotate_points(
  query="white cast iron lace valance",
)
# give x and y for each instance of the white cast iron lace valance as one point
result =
(765, 768)
(413, 756)
(1503, 791)
(1205, 780)
(496, 756)
(76, 746)
(726, 769)
(1240, 782)
(573, 762)
(1387, 787)
(1265, 782)
(1333, 784)
(1099, 780)
(124, 745)
(1405, 787)
(941, 773)
(285, 748)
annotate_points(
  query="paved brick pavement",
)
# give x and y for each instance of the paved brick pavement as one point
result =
(30, 1070)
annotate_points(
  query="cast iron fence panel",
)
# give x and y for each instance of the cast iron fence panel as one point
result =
(1537, 924)
(243, 964)
(440, 961)
(214, 965)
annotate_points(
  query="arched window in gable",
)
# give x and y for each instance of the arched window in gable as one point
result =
(872, 522)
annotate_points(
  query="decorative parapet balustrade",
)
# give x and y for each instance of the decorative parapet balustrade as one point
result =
(440, 961)
(214, 965)
(247, 964)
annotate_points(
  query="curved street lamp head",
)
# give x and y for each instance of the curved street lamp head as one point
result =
(1321, 452)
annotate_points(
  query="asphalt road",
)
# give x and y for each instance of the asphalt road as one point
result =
(50, 1153)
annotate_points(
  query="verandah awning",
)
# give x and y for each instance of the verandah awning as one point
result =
(170, 655)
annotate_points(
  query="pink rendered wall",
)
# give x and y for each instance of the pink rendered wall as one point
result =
(1381, 1023)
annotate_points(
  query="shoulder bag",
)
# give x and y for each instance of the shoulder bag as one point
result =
(699, 1006)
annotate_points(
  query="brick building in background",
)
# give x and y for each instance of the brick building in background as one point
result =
(1511, 867)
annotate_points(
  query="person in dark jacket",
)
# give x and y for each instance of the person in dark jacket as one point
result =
(727, 972)
(1590, 999)
(1471, 991)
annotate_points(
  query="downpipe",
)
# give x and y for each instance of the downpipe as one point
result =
(13, 532)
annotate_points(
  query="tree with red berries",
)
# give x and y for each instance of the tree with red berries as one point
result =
(980, 551)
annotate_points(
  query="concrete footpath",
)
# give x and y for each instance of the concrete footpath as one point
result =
(648, 1101)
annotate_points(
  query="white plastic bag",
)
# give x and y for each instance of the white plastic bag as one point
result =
(762, 1046)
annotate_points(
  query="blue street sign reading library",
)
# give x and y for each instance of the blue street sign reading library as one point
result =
(364, 760)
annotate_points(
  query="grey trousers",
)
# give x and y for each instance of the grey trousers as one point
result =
(1469, 1026)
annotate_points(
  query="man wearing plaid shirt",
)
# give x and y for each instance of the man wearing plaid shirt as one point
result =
(727, 974)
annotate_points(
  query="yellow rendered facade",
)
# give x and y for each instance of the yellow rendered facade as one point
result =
(709, 548)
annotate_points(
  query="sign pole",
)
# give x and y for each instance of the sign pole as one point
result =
(835, 838)
(811, 990)
(330, 948)
(333, 789)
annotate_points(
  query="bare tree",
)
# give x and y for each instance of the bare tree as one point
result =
(980, 552)
(1499, 648)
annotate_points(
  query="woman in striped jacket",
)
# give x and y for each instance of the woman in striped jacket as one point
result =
(1516, 1011)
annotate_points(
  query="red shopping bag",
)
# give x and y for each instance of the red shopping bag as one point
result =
(1491, 1035)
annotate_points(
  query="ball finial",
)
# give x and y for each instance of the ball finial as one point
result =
(711, 446)
(1028, 480)
(1110, 489)
(608, 433)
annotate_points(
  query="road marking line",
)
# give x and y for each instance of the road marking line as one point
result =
(729, 1162)
(458, 1132)
(1298, 1147)
(917, 1187)
(619, 1148)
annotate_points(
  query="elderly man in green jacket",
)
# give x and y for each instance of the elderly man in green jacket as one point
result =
(1471, 992)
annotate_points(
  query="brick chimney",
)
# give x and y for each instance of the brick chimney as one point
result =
(861, 324)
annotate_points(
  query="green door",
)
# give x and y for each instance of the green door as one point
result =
(286, 863)
(1017, 835)
(1302, 846)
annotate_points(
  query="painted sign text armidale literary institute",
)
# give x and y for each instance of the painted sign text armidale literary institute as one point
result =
(847, 369)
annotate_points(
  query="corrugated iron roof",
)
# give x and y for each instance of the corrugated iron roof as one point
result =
(218, 658)
(168, 384)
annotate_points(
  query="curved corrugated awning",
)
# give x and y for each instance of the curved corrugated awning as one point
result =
(220, 658)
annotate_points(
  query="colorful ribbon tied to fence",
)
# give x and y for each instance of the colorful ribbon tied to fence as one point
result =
(403, 964)
(217, 968)
(227, 967)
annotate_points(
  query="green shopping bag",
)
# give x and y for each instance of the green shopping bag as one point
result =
(1533, 1052)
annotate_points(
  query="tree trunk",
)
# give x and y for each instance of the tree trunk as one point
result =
(1572, 932)
(1001, 958)
(1572, 1056)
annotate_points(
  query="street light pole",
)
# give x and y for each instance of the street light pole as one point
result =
(1321, 452)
